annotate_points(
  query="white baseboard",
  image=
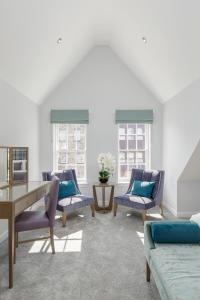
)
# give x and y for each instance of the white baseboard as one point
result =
(171, 209)
(186, 214)
(179, 214)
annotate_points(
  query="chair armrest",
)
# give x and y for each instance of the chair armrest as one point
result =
(147, 235)
(159, 193)
(148, 242)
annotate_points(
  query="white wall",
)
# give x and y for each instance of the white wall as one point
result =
(102, 84)
(181, 133)
(19, 127)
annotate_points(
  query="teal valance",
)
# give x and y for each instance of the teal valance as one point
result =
(134, 116)
(70, 116)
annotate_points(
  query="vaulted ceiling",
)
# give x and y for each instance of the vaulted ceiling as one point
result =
(33, 62)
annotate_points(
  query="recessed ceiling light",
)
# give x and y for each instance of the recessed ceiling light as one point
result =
(144, 39)
(59, 40)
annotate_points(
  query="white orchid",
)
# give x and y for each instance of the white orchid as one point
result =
(106, 162)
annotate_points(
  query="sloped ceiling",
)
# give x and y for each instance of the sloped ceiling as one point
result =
(33, 62)
(191, 171)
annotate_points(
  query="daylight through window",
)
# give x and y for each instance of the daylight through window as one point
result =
(69, 142)
(133, 149)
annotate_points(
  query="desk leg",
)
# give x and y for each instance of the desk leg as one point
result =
(11, 239)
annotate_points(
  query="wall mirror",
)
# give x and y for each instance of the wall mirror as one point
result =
(13, 165)
(4, 167)
(18, 157)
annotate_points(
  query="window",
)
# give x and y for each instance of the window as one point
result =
(133, 149)
(69, 145)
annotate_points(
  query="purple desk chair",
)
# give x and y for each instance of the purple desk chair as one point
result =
(30, 220)
(143, 203)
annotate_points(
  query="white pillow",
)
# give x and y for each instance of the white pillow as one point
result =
(196, 218)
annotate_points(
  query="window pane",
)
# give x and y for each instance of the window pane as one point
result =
(80, 171)
(131, 142)
(81, 143)
(62, 136)
(71, 143)
(131, 128)
(122, 157)
(71, 128)
(122, 129)
(62, 157)
(80, 158)
(61, 167)
(122, 142)
(72, 158)
(141, 166)
(134, 148)
(131, 157)
(123, 171)
(140, 128)
(81, 128)
(70, 148)
(140, 142)
(62, 146)
(140, 157)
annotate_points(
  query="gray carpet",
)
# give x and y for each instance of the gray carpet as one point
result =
(97, 258)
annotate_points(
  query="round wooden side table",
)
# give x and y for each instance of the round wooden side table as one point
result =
(102, 207)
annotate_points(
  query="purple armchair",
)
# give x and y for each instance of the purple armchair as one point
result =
(69, 204)
(143, 203)
(30, 220)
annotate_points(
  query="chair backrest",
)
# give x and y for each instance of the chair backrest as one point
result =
(62, 176)
(156, 176)
(52, 201)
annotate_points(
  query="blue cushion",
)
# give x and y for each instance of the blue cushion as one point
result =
(142, 188)
(67, 189)
(175, 232)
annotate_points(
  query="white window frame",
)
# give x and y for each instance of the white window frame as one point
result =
(148, 151)
(55, 164)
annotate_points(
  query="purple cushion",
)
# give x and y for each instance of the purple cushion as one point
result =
(29, 220)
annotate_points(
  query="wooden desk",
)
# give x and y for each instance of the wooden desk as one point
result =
(103, 186)
(13, 201)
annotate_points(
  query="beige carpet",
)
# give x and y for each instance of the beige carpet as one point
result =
(97, 258)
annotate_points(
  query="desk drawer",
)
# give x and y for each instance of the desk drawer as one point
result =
(24, 203)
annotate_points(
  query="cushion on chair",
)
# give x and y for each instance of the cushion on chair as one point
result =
(134, 201)
(142, 188)
(175, 232)
(29, 220)
(67, 189)
(69, 204)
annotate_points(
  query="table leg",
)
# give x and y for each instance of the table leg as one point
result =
(11, 239)
(111, 198)
(103, 196)
(95, 198)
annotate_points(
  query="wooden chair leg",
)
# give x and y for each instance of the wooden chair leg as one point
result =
(52, 240)
(93, 210)
(148, 272)
(144, 216)
(161, 209)
(115, 209)
(64, 218)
